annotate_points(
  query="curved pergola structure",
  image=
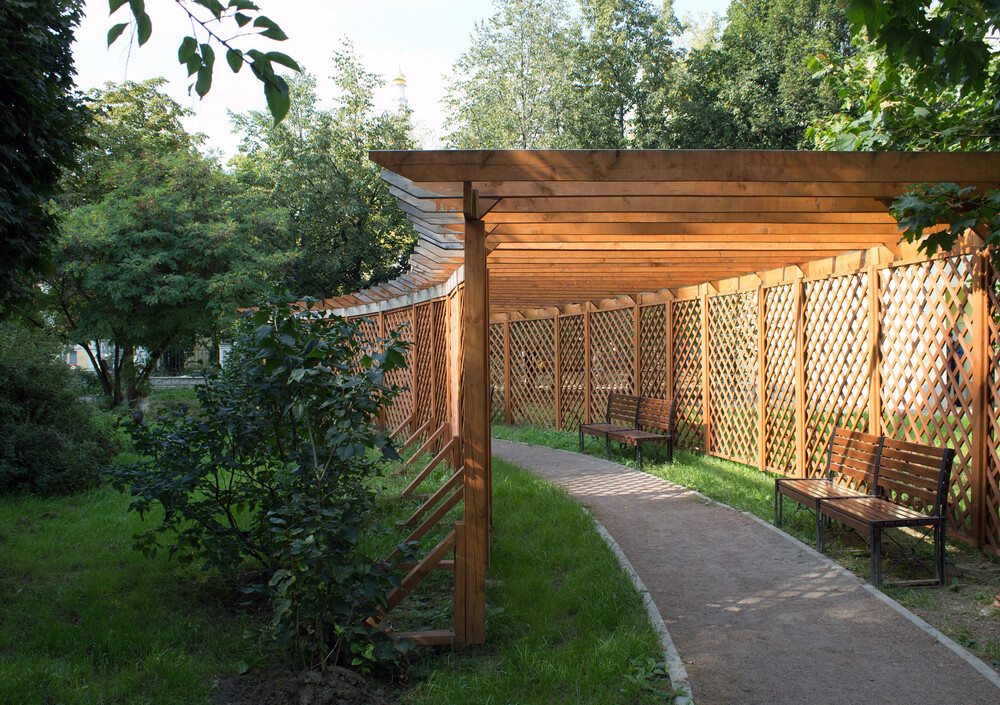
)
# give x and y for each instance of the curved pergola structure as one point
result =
(795, 252)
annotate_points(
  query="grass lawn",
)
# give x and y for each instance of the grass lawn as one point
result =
(86, 619)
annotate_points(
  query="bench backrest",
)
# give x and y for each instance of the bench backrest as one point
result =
(915, 475)
(657, 415)
(852, 459)
(622, 409)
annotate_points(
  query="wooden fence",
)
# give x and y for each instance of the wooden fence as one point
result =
(765, 367)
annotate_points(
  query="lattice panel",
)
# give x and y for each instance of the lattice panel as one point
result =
(779, 379)
(926, 368)
(400, 320)
(732, 367)
(654, 358)
(532, 372)
(611, 366)
(423, 369)
(440, 347)
(836, 362)
(572, 354)
(688, 373)
(992, 494)
(496, 373)
(368, 335)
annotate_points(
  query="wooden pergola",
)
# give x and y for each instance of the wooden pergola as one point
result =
(536, 229)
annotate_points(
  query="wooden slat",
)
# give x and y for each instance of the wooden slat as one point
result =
(430, 522)
(415, 436)
(426, 444)
(409, 565)
(420, 571)
(425, 473)
(430, 637)
(444, 489)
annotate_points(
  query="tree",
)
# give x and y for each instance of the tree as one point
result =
(623, 60)
(148, 254)
(316, 193)
(754, 89)
(41, 126)
(511, 89)
(926, 78)
(210, 21)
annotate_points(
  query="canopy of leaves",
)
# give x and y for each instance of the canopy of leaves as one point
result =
(41, 125)
(148, 255)
(313, 191)
(511, 89)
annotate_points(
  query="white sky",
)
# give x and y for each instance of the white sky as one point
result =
(424, 37)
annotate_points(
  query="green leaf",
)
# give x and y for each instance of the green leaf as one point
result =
(283, 59)
(116, 32)
(235, 59)
(276, 93)
(144, 25)
(113, 5)
(187, 49)
(241, 19)
(204, 83)
(271, 30)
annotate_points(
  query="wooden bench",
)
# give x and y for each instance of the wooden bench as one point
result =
(851, 465)
(622, 414)
(912, 482)
(654, 424)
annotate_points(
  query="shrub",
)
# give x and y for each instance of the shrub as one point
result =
(273, 472)
(50, 440)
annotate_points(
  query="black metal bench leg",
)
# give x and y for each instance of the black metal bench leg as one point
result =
(777, 505)
(939, 564)
(820, 532)
(876, 556)
(670, 451)
(581, 439)
(607, 448)
(638, 455)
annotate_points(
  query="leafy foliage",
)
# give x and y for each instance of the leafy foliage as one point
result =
(198, 56)
(41, 126)
(309, 189)
(149, 255)
(50, 441)
(511, 89)
(273, 472)
(924, 207)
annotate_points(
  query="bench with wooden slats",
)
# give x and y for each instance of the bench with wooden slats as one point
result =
(622, 414)
(654, 425)
(852, 459)
(912, 483)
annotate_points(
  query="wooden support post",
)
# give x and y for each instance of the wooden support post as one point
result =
(636, 351)
(980, 393)
(461, 613)
(668, 313)
(761, 381)
(476, 437)
(455, 369)
(557, 369)
(800, 379)
(706, 401)
(588, 382)
(507, 376)
(874, 354)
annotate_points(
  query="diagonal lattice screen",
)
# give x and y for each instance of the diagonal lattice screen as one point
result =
(572, 352)
(779, 379)
(532, 379)
(611, 350)
(732, 363)
(497, 389)
(688, 373)
(653, 354)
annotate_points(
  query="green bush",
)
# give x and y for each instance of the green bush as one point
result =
(50, 440)
(273, 472)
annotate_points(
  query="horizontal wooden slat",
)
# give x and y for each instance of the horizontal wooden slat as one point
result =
(431, 637)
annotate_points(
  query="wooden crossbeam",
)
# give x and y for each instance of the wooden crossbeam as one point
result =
(447, 487)
(408, 565)
(430, 522)
(416, 435)
(430, 637)
(405, 422)
(420, 571)
(425, 446)
(435, 461)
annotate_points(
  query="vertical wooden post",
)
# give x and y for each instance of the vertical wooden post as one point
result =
(637, 351)
(557, 369)
(668, 313)
(507, 376)
(434, 352)
(455, 369)
(980, 393)
(476, 436)
(461, 573)
(706, 403)
(874, 354)
(761, 381)
(588, 383)
(800, 379)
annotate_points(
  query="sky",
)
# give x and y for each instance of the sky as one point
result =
(423, 38)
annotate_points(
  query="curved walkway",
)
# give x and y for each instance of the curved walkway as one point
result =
(758, 617)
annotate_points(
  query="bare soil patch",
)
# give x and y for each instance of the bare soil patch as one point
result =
(280, 686)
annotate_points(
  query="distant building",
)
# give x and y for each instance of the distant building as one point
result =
(399, 85)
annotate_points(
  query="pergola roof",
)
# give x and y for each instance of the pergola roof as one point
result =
(566, 226)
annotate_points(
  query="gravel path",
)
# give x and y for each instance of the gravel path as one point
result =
(758, 617)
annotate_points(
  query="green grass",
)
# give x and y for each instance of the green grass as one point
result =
(87, 619)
